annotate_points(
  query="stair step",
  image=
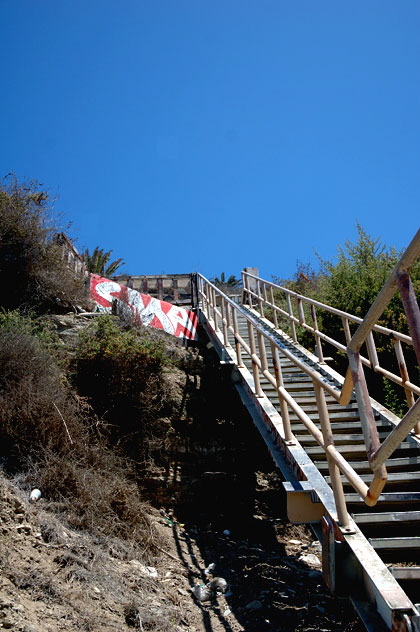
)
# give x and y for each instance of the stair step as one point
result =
(380, 544)
(405, 572)
(404, 463)
(391, 517)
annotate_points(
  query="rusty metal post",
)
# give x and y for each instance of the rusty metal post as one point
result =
(346, 328)
(411, 309)
(371, 349)
(284, 411)
(264, 287)
(214, 305)
(292, 322)
(337, 485)
(208, 295)
(237, 343)
(175, 288)
(255, 369)
(317, 337)
(404, 373)
(301, 313)
(260, 299)
(224, 322)
(276, 323)
(370, 431)
(393, 440)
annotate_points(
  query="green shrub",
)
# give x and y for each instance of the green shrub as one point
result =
(32, 272)
(121, 373)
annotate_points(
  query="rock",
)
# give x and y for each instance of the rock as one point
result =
(218, 584)
(295, 542)
(254, 605)
(310, 559)
(202, 593)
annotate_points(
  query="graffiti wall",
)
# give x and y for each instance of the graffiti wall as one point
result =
(143, 308)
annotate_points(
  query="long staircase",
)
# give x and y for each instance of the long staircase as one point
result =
(351, 468)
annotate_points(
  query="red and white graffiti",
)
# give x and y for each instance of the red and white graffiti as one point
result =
(145, 309)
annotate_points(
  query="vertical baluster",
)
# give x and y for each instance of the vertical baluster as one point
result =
(260, 300)
(405, 378)
(215, 315)
(371, 349)
(284, 411)
(237, 343)
(346, 328)
(275, 319)
(317, 336)
(224, 321)
(292, 322)
(337, 486)
(208, 301)
(264, 296)
(255, 369)
(301, 313)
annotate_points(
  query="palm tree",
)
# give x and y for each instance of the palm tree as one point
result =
(98, 262)
(231, 282)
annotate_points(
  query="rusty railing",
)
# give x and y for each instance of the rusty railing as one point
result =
(223, 313)
(263, 294)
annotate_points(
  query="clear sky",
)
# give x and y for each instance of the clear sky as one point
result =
(193, 135)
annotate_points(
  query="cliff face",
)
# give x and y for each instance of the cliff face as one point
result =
(209, 496)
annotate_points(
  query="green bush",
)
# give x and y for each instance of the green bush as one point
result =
(52, 435)
(121, 373)
(351, 284)
(32, 272)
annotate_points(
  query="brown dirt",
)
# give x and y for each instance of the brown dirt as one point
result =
(56, 579)
(215, 501)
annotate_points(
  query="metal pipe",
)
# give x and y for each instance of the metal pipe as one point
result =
(411, 309)
(237, 340)
(404, 374)
(399, 433)
(371, 348)
(292, 322)
(346, 327)
(215, 313)
(260, 300)
(273, 304)
(255, 367)
(336, 483)
(284, 411)
(317, 337)
(224, 323)
(387, 292)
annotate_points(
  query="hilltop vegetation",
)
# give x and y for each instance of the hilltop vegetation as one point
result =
(351, 283)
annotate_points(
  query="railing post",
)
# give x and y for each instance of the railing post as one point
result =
(292, 322)
(260, 300)
(208, 295)
(346, 327)
(215, 315)
(301, 313)
(276, 323)
(224, 322)
(255, 369)
(337, 485)
(288, 435)
(371, 349)
(237, 343)
(317, 338)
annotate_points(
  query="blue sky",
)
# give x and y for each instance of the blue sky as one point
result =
(209, 136)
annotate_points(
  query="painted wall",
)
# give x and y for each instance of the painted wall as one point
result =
(143, 308)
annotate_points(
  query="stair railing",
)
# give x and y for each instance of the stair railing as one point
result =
(222, 314)
(263, 294)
